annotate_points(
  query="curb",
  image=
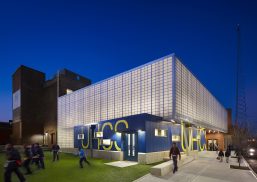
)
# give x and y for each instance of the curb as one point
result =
(252, 171)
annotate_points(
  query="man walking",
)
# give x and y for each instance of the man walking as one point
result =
(12, 164)
(82, 157)
(40, 154)
(174, 153)
(27, 159)
(227, 155)
(55, 149)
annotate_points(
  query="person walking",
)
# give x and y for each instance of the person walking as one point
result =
(27, 159)
(227, 155)
(34, 155)
(239, 156)
(55, 150)
(40, 155)
(221, 155)
(82, 157)
(12, 164)
(174, 153)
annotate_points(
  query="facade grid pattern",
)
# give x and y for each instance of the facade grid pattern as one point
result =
(164, 87)
(146, 89)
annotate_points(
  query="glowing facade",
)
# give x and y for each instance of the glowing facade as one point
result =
(163, 88)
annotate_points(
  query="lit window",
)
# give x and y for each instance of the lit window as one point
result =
(106, 141)
(80, 136)
(160, 133)
(99, 134)
(68, 91)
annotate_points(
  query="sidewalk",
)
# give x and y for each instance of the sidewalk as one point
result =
(206, 168)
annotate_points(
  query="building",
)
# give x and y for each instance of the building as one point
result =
(35, 103)
(5, 132)
(136, 115)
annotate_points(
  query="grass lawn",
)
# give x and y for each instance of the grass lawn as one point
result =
(67, 169)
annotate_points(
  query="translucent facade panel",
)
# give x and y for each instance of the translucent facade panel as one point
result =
(164, 87)
(136, 92)
(194, 103)
(118, 97)
(126, 94)
(145, 89)
(111, 99)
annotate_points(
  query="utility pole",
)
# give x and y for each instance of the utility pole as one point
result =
(237, 71)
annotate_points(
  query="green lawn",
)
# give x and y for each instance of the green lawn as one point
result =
(67, 169)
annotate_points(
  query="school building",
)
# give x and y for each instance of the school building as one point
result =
(136, 115)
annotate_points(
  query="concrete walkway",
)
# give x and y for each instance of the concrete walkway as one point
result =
(206, 168)
(121, 164)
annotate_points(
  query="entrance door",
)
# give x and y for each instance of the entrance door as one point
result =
(130, 146)
(212, 144)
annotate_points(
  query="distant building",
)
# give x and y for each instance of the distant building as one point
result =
(5, 132)
(35, 103)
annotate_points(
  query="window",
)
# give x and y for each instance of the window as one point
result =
(80, 136)
(99, 134)
(68, 91)
(160, 133)
(107, 142)
(175, 138)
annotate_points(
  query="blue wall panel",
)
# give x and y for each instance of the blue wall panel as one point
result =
(136, 123)
(81, 130)
(155, 143)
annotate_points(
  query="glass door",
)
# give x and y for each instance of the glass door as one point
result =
(130, 147)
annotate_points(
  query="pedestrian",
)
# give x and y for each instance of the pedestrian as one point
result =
(216, 148)
(174, 153)
(40, 155)
(27, 159)
(221, 155)
(227, 155)
(239, 156)
(12, 164)
(34, 155)
(55, 150)
(82, 157)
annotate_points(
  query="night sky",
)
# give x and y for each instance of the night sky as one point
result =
(100, 39)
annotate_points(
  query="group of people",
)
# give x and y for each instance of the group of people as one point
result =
(227, 154)
(33, 154)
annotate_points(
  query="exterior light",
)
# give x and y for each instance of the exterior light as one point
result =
(252, 150)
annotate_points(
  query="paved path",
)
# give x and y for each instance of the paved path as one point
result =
(206, 169)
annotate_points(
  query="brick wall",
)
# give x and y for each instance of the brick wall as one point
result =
(216, 136)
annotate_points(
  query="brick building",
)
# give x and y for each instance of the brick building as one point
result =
(222, 140)
(35, 103)
(5, 132)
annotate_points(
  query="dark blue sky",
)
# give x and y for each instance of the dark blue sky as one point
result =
(100, 39)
